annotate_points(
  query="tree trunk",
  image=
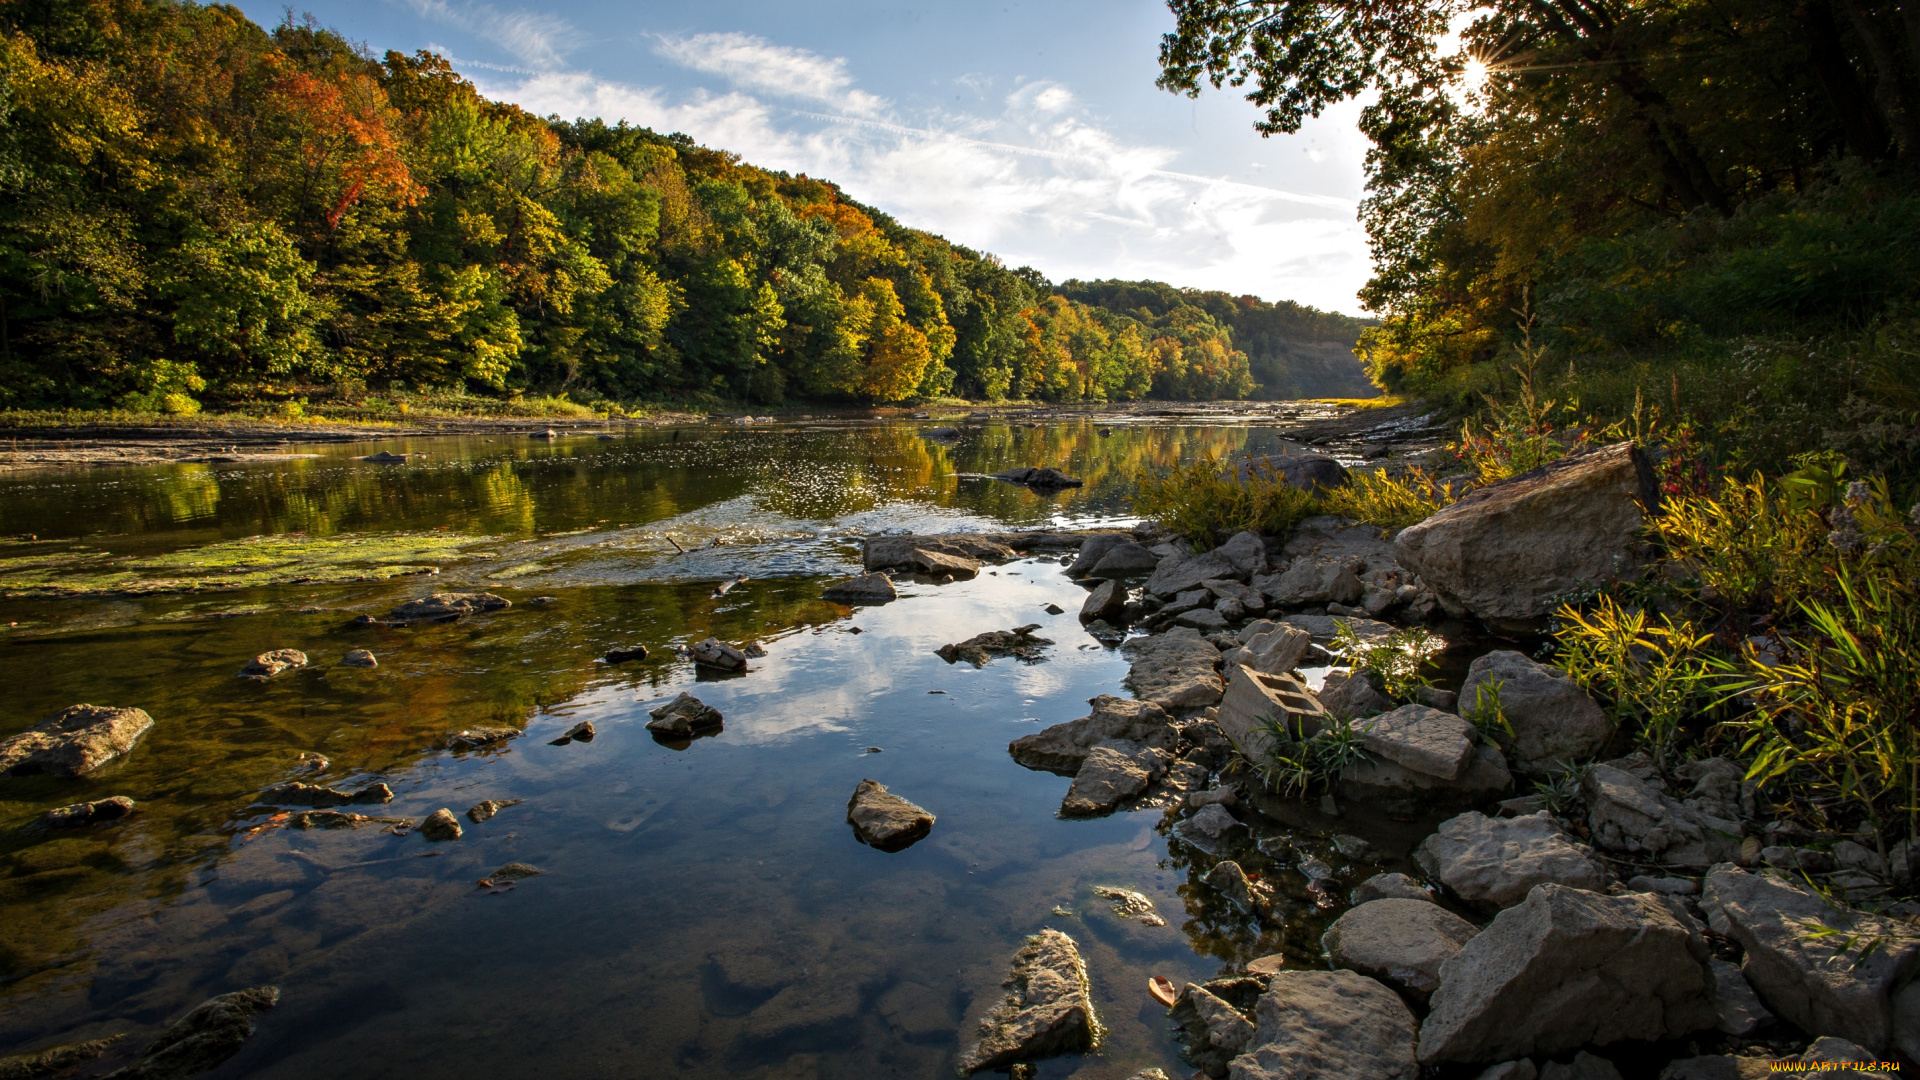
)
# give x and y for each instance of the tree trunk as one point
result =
(1887, 93)
(1866, 137)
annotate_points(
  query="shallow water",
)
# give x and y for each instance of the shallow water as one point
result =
(706, 911)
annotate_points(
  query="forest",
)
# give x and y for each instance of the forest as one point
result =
(1701, 211)
(195, 208)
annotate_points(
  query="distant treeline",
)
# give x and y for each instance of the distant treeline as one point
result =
(192, 206)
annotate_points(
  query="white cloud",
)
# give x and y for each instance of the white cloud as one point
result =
(1039, 182)
(754, 63)
(538, 40)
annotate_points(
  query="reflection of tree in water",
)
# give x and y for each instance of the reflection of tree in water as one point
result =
(1216, 928)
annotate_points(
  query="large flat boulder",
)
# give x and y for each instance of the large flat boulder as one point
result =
(883, 820)
(883, 552)
(1570, 968)
(74, 741)
(1629, 815)
(874, 588)
(1175, 670)
(1180, 573)
(1511, 551)
(1063, 747)
(1113, 772)
(1494, 863)
(1422, 740)
(1126, 560)
(1316, 579)
(1400, 942)
(1555, 724)
(1803, 977)
(1047, 1010)
(1329, 1025)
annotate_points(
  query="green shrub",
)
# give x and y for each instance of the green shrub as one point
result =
(1394, 663)
(1298, 765)
(1377, 497)
(1207, 504)
(1653, 677)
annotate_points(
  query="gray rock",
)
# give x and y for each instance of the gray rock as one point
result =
(1801, 977)
(447, 606)
(1093, 549)
(1513, 549)
(1555, 723)
(1315, 472)
(1629, 815)
(1203, 619)
(478, 738)
(1859, 858)
(883, 820)
(1175, 670)
(1739, 1007)
(1424, 740)
(1584, 1066)
(872, 588)
(1347, 696)
(1062, 748)
(87, 813)
(1107, 602)
(1185, 602)
(1666, 886)
(202, 1039)
(483, 811)
(1714, 1067)
(1211, 823)
(1435, 698)
(1569, 968)
(942, 433)
(53, 1059)
(1154, 1073)
(584, 731)
(441, 825)
(74, 741)
(812, 1006)
(1126, 560)
(717, 654)
(1316, 580)
(1494, 863)
(1226, 590)
(1279, 650)
(1393, 787)
(1047, 1010)
(1329, 1025)
(1247, 552)
(1178, 574)
(1215, 1031)
(943, 565)
(1323, 628)
(1389, 887)
(316, 795)
(967, 550)
(1019, 642)
(1511, 1070)
(1114, 771)
(1255, 699)
(1400, 942)
(1247, 896)
(684, 717)
(359, 658)
(1827, 1050)
(268, 664)
(1906, 1020)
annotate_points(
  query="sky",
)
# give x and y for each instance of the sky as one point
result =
(1030, 130)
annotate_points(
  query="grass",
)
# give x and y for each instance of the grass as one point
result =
(233, 564)
(1388, 500)
(1384, 401)
(1207, 504)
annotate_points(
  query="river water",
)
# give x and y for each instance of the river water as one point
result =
(705, 911)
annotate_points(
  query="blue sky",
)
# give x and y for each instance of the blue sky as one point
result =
(1031, 130)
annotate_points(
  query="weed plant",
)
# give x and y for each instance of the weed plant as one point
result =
(1390, 501)
(1298, 764)
(1207, 504)
(1394, 663)
(1652, 676)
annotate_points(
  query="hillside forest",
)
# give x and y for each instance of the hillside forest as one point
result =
(195, 208)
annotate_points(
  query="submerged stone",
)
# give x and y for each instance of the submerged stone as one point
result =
(74, 741)
(268, 664)
(202, 1039)
(1047, 1010)
(447, 606)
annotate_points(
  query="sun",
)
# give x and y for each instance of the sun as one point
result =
(1474, 76)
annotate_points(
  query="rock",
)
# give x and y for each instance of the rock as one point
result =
(339, 819)
(1092, 550)
(1185, 602)
(623, 655)
(1666, 886)
(1514, 549)
(884, 820)
(1329, 1025)
(1628, 815)
(202, 1039)
(1511, 1070)
(1155, 1073)
(1801, 977)
(483, 811)
(1584, 1066)
(1048, 1008)
(1126, 560)
(1254, 700)
(441, 825)
(1316, 581)
(964, 552)
(1175, 670)
(685, 717)
(479, 737)
(54, 1058)
(1063, 747)
(1733, 998)
(1203, 619)
(718, 655)
(359, 658)
(1555, 724)
(874, 588)
(1400, 942)
(1246, 551)
(1018, 642)
(1493, 863)
(88, 813)
(1315, 472)
(1114, 771)
(942, 433)
(583, 731)
(1424, 740)
(513, 871)
(1827, 1050)
(1278, 651)
(1324, 628)
(1569, 968)
(1178, 574)
(1212, 823)
(918, 1012)
(75, 741)
(1054, 609)
(1107, 602)
(1045, 476)
(1395, 788)
(1214, 1031)
(1347, 696)
(1906, 1020)
(447, 606)
(268, 664)
(1859, 858)
(1389, 887)
(1719, 1068)
(1247, 896)
(812, 1006)
(316, 795)
(1267, 966)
